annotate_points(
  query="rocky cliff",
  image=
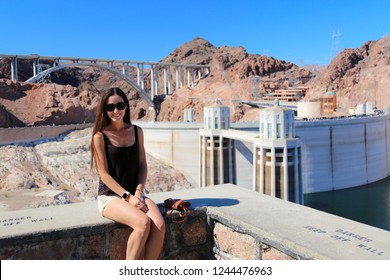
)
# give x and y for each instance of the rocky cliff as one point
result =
(357, 76)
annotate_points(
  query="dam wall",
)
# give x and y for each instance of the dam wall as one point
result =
(20, 135)
(336, 153)
(177, 144)
(344, 153)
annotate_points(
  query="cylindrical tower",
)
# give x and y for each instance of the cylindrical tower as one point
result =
(276, 162)
(217, 154)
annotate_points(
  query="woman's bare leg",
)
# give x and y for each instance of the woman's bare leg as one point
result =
(124, 213)
(155, 241)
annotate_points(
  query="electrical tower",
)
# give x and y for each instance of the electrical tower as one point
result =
(335, 44)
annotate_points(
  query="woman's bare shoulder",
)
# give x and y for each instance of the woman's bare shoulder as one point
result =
(98, 136)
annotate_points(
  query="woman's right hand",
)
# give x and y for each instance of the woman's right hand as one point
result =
(138, 203)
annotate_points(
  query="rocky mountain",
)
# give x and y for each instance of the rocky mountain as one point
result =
(357, 76)
(235, 75)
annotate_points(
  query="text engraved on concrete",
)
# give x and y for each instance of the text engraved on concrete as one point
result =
(347, 237)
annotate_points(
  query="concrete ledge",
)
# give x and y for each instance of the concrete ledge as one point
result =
(19, 135)
(227, 222)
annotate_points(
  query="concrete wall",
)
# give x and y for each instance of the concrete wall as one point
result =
(226, 222)
(25, 134)
(344, 153)
(177, 144)
(336, 154)
(52, 235)
(244, 158)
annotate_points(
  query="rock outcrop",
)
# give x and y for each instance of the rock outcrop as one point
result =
(357, 76)
(64, 166)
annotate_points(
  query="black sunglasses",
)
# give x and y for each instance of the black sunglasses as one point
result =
(111, 107)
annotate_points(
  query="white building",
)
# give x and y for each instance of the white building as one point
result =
(276, 169)
(217, 154)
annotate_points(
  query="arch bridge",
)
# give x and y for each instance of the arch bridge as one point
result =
(173, 74)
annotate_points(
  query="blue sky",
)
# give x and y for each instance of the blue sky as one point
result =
(298, 31)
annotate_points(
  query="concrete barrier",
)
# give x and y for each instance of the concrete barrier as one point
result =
(19, 135)
(227, 222)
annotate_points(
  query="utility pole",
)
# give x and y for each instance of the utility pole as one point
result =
(335, 44)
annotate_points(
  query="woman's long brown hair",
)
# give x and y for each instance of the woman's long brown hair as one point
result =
(102, 119)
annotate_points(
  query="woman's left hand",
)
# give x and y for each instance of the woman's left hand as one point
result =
(138, 203)
(140, 195)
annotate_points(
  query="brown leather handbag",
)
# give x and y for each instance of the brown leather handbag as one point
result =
(179, 205)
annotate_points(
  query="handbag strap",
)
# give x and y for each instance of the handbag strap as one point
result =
(178, 205)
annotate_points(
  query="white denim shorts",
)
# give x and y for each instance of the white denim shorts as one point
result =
(103, 200)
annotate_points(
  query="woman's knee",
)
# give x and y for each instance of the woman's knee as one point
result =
(142, 224)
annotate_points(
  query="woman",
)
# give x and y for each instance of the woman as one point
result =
(117, 148)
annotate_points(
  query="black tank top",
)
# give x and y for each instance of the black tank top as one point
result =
(123, 165)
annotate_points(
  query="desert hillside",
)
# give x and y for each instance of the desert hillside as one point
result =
(71, 94)
(357, 76)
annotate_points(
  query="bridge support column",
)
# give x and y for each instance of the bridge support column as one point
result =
(138, 75)
(217, 154)
(177, 77)
(156, 81)
(35, 62)
(151, 82)
(188, 77)
(181, 82)
(14, 69)
(169, 80)
(126, 69)
(165, 80)
(192, 77)
(142, 77)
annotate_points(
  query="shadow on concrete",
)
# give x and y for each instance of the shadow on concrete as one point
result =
(245, 151)
(212, 202)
